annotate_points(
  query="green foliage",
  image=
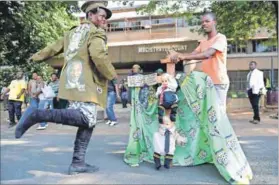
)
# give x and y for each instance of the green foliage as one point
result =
(172, 8)
(125, 3)
(43, 69)
(8, 74)
(29, 26)
(241, 20)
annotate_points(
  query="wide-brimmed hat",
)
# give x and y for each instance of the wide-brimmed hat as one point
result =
(89, 5)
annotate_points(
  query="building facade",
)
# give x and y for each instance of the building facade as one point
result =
(144, 39)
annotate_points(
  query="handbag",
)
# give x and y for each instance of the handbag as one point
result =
(48, 92)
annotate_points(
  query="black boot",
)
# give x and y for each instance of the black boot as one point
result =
(161, 113)
(174, 108)
(157, 160)
(168, 161)
(32, 116)
(78, 163)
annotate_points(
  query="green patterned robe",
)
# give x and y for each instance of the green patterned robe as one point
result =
(211, 138)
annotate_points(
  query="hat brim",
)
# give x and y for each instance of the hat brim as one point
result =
(87, 6)
(109, 13)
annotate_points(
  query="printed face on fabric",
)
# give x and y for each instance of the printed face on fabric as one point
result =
(74, 76)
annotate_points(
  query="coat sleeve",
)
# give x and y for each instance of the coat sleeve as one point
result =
(49, 51)
(99, 55)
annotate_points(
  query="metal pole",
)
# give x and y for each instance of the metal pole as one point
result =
(272, 72)
(176, 27)
(150, 21)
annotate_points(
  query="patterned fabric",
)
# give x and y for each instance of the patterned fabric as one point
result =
(89, 110)
(210, 136)
(76, 39)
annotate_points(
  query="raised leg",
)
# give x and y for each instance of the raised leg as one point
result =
(31, 116)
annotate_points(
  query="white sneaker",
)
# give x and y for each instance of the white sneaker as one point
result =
(108, 122)
(134, 165)
(113, 123)
(41, 128)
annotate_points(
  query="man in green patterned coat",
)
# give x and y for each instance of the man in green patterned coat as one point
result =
(83, 81)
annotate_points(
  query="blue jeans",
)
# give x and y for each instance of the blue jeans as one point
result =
(43, 104)
(111, 99)
(34, 102)
(124, 99)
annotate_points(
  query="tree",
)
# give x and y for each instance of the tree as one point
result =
(175, 8)
(239, 20)
(29, 26)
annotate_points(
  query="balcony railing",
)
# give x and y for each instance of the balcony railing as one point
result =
(145, 24)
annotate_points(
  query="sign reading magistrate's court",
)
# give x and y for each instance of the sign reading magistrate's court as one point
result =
(157, 49)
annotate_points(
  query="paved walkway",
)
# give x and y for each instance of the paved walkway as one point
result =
(42, 157)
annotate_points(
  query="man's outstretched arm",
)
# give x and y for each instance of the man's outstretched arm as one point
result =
(49, 51)
(194, 56)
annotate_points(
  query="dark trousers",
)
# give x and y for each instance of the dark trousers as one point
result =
(14, 109)
(161, 113)
(61, 104)
(124, 103)
(55, 103)
(124, 99)
(254, 100)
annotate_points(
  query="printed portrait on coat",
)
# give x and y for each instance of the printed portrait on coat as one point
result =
(74, 76)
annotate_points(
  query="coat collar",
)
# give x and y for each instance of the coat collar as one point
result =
(89, 22)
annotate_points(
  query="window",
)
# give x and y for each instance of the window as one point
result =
(163, 21)
(116, 26)
(263, 45)
(238, 79)
(236, 48)
(268, 73)
(181, 22)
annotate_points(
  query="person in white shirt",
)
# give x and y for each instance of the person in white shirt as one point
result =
(255, 85)
(45, 102)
